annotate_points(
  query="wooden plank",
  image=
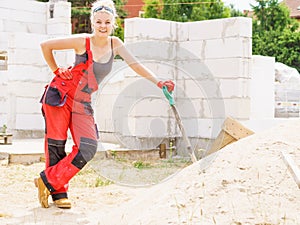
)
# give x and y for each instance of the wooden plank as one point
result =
(232, 131)
(221, 141)
(293, 168)
(236, 129)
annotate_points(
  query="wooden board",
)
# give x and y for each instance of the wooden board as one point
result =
(293, 168)
(236, 129)
(232, 131)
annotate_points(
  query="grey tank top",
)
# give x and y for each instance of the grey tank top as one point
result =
(101, 70)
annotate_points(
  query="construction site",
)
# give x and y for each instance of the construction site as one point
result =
(223, 148)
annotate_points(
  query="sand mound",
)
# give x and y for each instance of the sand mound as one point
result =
(245, 183)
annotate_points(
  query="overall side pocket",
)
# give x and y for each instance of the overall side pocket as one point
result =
(54, 97)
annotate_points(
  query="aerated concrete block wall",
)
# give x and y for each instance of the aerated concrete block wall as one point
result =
(210, 61)
(23, 25)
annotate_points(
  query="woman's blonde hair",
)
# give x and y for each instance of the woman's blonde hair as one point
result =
(107, 6)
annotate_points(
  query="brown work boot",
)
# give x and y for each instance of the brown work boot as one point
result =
(43, 192)
(63, 203)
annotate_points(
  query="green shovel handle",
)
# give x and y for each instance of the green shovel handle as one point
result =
(168, 95)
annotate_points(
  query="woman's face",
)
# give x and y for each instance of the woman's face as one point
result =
(102, 23)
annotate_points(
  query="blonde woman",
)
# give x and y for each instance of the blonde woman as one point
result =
(66, 102)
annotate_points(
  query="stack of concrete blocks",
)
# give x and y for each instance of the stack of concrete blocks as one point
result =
(23, 25)
(210, 62)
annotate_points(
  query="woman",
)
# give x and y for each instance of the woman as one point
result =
(66, 103)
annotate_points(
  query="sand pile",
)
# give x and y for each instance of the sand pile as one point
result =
(245, 183)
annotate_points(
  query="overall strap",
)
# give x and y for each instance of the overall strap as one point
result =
(87, 43)
(88, 50)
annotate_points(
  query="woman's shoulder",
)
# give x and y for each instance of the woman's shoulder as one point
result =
(117, 42)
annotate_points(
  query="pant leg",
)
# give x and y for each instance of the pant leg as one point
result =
(83, 131)
(57, 120)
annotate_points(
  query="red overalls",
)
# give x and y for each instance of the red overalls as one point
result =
(67, 105)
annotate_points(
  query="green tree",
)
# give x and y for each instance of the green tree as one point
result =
(152, 8)
(275, 33)
(213, 9)
(270, 15)
(186, 10)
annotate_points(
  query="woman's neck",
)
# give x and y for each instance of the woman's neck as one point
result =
(99, 41)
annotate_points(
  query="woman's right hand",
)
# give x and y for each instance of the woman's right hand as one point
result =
(63, 73)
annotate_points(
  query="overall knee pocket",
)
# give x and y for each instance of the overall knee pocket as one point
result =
(87, 150)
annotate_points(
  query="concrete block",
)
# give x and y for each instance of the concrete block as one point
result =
(182, 32)
(3, 88)
(4, 105)
(4, 13)
(1, 25)
(26, 89)
(193, 69)
(153, 127)
(238, 108)
(237, 26)
(146, 29)
(27, 17)
(207, 88)
(4, 37)
(228, 48)
(188, 108)
(3, 117)
(25, 40)
(235, 88)
(61, 9)
(150, 107)
(209, 128)
(59, 26)
(262, 87)
(21, 5)
(36, 73)
(229, 67)
(212, 108)
(28, 105)
(153, 50)
(29, 121)
(25, 57)
(12, 26)
(189, 50)
(220, 28)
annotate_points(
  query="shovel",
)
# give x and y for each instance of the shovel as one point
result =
(179, 122)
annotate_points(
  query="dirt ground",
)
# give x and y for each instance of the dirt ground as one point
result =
(245, 183)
